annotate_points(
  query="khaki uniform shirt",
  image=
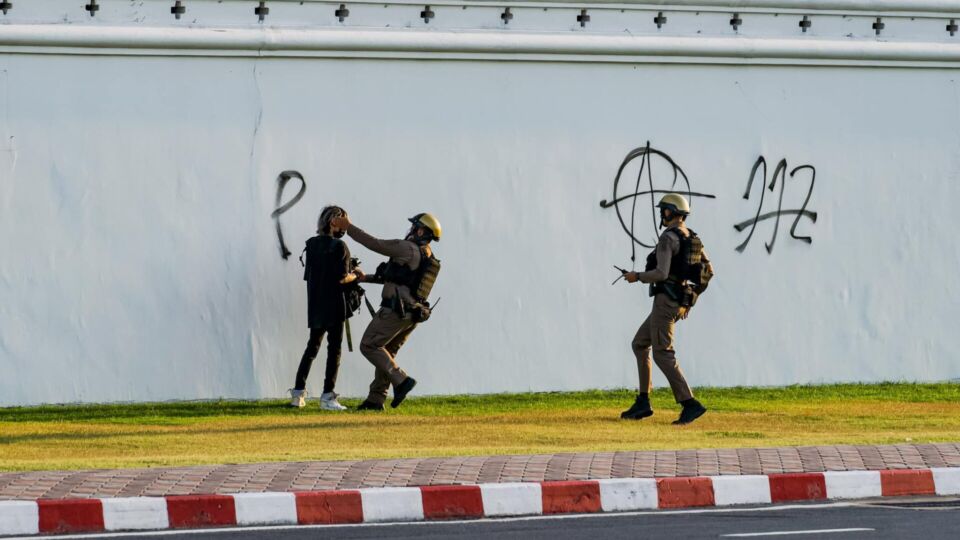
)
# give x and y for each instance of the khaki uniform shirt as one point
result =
(403, 252)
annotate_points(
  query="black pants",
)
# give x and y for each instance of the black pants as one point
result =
(334, 332)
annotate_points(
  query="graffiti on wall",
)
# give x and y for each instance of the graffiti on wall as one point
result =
(647, 188)
(282, 180)
(780, 173)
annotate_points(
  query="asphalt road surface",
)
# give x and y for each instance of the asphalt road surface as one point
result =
(925, 519)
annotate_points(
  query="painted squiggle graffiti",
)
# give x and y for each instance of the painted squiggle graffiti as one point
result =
(646, 154)
(282, 181)
(781, 173)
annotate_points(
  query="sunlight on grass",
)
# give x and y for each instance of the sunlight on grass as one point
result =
(189, 433)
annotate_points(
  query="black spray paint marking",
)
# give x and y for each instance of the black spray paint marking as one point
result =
(645, 154)
(781, 173)
(282, 180)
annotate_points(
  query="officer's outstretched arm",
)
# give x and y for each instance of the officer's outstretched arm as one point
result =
(390, 248)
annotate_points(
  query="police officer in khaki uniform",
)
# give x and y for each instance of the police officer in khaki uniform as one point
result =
(678, 271)
(407, 279)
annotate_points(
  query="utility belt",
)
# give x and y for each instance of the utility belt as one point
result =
(682, 293)
(398, 306)
(394, 304)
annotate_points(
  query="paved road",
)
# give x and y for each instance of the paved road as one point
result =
(848, 521)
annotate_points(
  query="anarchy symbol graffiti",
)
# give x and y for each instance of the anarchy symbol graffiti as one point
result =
(647, 154)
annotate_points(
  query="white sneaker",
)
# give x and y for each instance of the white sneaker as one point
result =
(328, 402)
(298, 398)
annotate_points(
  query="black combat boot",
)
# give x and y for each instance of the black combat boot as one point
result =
(692, 409)
(368, 405)
(401, 390)
(639, 410)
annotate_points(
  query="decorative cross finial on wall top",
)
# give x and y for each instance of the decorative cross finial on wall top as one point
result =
(660, 19)
(879, 26)
(92, 7)
(178, 9)
(261, 11)
(342, 13)
(506, 16)
(805, 24)
(583, 18)
(736, 21)
(427, 14)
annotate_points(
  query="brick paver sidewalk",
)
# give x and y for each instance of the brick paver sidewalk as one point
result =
(326, 475)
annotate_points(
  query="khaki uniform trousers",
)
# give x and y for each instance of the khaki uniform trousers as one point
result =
(382, 339)
(657, 333)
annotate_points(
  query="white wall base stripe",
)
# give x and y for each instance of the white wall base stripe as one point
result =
(852, 484)
(392, 504)
(135, 513)
(947, 481)
(625, 494)
(266, 508)
(748, 489)
(19, 517)
(516, 499)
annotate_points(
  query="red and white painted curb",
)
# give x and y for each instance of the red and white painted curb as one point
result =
(401, 504)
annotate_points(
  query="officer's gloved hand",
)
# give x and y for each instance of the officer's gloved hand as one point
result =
(421, 313)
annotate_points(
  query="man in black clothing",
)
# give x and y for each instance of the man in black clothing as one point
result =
(326, 271)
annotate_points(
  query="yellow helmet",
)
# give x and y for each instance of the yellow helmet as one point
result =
(429, 222)
(676, 203)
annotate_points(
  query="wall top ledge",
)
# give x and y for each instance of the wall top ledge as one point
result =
(302, 42)
(935, 6)
(919, 6)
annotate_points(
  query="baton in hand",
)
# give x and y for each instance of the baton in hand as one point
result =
(623, 274)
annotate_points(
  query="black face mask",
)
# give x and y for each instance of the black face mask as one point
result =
(419, 240)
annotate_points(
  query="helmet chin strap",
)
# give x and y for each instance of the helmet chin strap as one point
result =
(420, 241)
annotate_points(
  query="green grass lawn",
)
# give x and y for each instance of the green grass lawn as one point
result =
(188, 433)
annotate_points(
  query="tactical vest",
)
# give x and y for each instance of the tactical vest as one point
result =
(420, 280)
(688, 273)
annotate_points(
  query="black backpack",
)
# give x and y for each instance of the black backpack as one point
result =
(353, 293)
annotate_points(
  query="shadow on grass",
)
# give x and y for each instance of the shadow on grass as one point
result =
(428, 406)
(65, 437)
(738, 399)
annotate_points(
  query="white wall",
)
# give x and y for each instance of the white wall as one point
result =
(139, 260)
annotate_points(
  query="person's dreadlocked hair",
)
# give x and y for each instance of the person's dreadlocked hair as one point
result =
(326, 216)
